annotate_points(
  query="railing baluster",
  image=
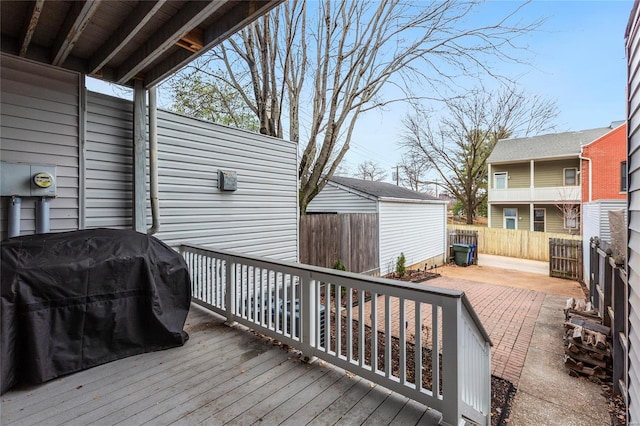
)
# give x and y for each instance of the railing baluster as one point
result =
(350, 326)
(361, 333)
(374, 332)
(403, 343)
(435, 351)
(327, 315)
(417, 366)
(338, 321)
(387, 336)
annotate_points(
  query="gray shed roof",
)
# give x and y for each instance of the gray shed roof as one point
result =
(556, 145)
(381, 189)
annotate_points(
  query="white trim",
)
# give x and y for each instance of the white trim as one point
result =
(506, 180)
(564, 176)
(504, 217)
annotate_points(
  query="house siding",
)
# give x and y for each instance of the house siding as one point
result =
(633, 254)
(518, 174)
(497, 215)
(550, 173)
(334, 199)
(40, 125)
(555, 220)
(416, 229)
(606, 154)
(260, 217)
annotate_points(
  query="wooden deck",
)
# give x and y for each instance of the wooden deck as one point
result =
(220, 376)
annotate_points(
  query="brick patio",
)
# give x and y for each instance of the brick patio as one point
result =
(509, 316)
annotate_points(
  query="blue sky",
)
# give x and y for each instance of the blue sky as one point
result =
(577, 58)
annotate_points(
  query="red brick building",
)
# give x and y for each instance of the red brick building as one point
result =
(604, 166)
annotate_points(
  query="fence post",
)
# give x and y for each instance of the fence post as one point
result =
(451, 361)
(619, 319)
(595, 274)
(230, 293)
(308, 314)
(607, 284)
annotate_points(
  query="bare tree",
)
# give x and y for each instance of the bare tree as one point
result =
(466, 134)
(370, 170)
(413, 170)
(318, 66)
(570, 209)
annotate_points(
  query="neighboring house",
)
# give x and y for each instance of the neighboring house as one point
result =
(535, 182)
(409, 222)
(630, 313)
(604, 188)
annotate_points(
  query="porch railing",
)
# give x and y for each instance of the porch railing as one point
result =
(423, 342)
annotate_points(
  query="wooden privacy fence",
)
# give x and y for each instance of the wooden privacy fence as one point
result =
(514, 243)
(565, 258)
(609, 294)
(464, 236)
(351, 238)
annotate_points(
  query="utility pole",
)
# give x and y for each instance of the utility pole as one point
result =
(397, 175)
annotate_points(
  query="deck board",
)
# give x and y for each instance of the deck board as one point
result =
(221, 375)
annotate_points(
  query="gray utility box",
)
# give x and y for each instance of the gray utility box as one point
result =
(27, 180)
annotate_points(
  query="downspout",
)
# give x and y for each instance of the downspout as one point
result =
(590, 177)
(153, 163)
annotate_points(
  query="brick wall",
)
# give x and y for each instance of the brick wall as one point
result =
(606, 154)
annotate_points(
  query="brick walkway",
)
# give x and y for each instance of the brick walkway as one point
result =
(508, 314)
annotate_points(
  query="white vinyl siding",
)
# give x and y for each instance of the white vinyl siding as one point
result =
(633, 258)
(416, 229)
(334, 199)
(260, 217)
(595, 223)
(40, 125)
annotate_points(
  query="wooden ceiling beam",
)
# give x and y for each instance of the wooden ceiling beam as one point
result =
(76, 21)
(30, 26)
(189, 17)
(123, 35)
(240, 16)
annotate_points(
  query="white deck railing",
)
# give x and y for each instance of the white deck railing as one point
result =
(333, 315)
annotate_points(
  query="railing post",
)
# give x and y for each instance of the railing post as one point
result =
(308, 314)
(607, 284)
(451, 360)
(230, 292)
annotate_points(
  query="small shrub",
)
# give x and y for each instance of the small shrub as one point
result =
(401, 268)
(339, 266)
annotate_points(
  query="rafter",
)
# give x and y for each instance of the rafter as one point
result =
(184, 21)
(125, 32)
(30, 26)
(241, 15)
(74, 24)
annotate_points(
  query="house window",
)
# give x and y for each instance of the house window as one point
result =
(510, 218)
(538, 219)
(500, 180)
(570, 177)
(571, 219)
(623, 176)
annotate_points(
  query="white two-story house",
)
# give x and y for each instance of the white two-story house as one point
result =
(535, 182)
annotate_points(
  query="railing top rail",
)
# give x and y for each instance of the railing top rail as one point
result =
(455, 294)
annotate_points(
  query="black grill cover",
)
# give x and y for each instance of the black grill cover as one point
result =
(75, 300)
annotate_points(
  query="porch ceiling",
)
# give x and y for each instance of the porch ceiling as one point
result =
(122, 40)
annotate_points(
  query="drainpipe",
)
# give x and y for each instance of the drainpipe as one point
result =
(153, 162)
(14, 217)
(42, 216)
(590, 174)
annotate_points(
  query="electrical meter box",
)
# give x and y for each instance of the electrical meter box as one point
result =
(227, 180)
(27, 180)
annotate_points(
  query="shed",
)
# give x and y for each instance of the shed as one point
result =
(408, 222)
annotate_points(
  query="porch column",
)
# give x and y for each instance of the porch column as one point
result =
(139, 195)
(531, 217)
(489, 187)
(532, 184)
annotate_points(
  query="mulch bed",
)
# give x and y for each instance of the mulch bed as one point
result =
(414, 275)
